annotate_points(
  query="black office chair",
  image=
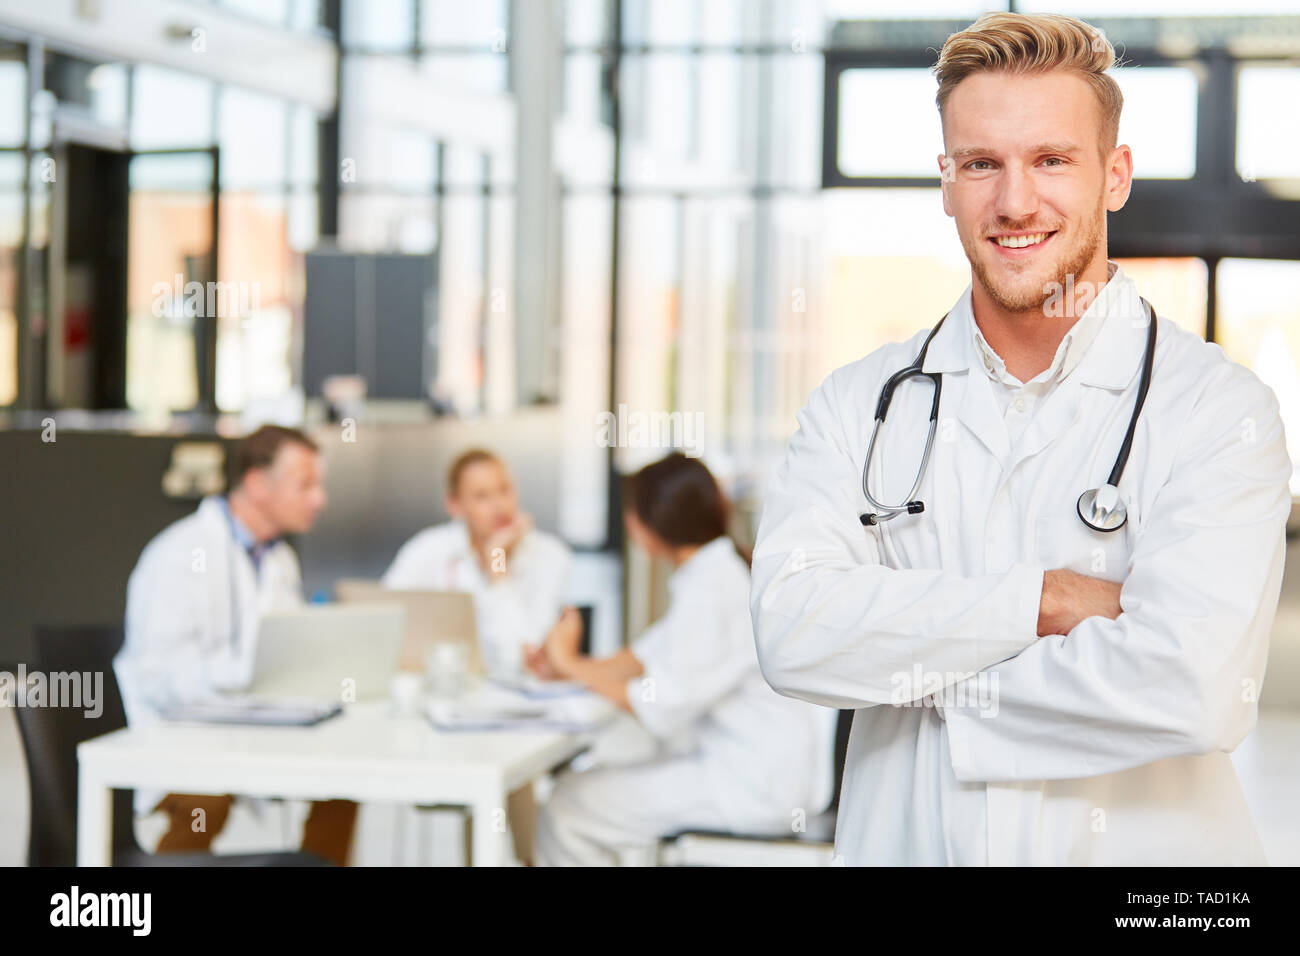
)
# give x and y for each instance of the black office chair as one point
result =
(815, 844)
(50, 736)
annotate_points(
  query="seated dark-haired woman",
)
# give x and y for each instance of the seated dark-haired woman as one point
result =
(734, 754)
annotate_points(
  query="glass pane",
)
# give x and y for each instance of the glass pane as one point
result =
(255, 326)
(1156, 8)
(1159, 120)
(13, 101)
(304, 131)
(267, 11)
(582, 88)
(484, 23)
(583, 337)
(661, 22)
(170, 234)
(462, 274)
(649, 293)
(905, 9)
(253, 131)
(170, 109)
(708, 348)
(484, 72)
(1176, 287)
(888, 123)
(895, 266)
(373, 221)
(379, 25)
(661, 106)
(1268, 123)
(584, 22)
(1258, 325)
(99, 89)
(304, 220)
(11, 234)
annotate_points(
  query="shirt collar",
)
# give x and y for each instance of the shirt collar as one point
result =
(243, 537)
(1114, 317)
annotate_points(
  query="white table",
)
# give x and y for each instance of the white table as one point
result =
(365, 754)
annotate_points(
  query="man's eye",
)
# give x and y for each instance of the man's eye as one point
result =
(975, 162)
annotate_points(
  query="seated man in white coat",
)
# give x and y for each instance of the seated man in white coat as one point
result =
(1053, 658)
(519, 576)
(193, 604)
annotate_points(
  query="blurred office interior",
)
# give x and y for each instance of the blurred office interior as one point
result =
(435, 224)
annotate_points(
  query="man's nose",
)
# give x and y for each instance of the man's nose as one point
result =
(1017, 197)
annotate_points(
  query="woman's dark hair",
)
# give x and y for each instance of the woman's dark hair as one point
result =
(678, 499)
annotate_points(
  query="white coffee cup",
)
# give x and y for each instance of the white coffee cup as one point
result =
(406, 690)
(447, 666)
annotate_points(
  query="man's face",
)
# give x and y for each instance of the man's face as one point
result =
(1025, 160)
(484, 498)
(290, 492)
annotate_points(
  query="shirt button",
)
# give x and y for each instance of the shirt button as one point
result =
(1020, 404)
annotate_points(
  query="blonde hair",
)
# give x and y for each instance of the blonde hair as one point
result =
(1027, 44)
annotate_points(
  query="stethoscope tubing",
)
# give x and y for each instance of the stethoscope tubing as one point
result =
(909, 505)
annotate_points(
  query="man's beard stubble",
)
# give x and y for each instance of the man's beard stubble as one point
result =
(1078, 259)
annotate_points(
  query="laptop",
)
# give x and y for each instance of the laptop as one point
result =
(328, 652)
(432, 617)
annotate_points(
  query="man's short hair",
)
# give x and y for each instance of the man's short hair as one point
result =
(1020, 43)
(463, 461)
(258, 449)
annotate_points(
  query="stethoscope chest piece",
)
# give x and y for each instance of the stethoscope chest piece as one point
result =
(1101, 509)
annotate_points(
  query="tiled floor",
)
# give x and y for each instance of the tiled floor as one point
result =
(1268, 763)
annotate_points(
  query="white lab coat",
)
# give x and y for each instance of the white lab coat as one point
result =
(1109, 745)
(516, 609)
(734, 755)
(193, 604)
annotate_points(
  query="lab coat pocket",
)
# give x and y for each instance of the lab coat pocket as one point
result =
(1066, 542)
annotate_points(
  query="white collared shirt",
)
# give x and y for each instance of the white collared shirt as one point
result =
(1016, 399)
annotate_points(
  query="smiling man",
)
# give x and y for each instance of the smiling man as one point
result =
(1043, 565)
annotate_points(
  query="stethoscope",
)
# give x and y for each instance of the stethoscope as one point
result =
(1099, 508)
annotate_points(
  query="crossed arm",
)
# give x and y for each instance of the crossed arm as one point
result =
(1089, 676)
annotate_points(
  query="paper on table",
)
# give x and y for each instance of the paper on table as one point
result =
(537, 689)
(266, 711)
(495, 708)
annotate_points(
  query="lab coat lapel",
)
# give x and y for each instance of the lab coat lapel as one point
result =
(977, 409)
(1111, 362)
(966, 394)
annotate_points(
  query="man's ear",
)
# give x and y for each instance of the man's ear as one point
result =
(945, 179)
(254, 482)
(452, 505)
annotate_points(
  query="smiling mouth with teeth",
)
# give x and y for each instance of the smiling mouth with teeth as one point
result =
(1022, 242)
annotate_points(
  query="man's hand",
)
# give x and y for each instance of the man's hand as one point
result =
(1070, 597)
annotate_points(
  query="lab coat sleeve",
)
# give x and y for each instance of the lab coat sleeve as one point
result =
(168, 617)
(692, 659)
(833, 624)
(1179, 671)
